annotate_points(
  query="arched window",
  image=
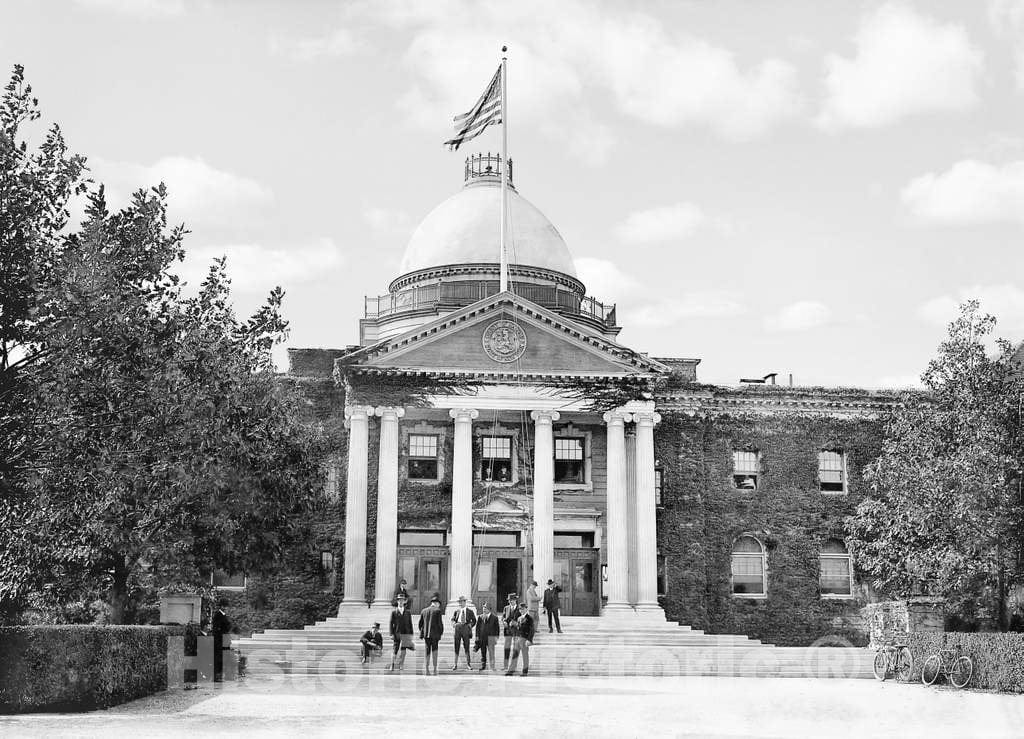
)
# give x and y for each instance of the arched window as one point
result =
(836, 578)
(749, 568)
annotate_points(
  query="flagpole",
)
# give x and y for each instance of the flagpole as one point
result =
(503, 170)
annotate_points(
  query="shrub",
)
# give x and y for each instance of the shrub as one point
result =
(80, 667)
(998, 657)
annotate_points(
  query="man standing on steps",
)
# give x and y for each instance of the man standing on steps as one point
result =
(524, 640)
(551, 604)
(508, 624)
(431, 629)
(401, 632)
(463, 620)
(487, 631)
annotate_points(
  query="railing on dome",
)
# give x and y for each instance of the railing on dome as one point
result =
(486, 165)
(464, 292)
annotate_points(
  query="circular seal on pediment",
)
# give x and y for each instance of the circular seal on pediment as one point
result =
(504, 341)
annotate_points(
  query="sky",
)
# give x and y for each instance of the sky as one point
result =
(807, 187)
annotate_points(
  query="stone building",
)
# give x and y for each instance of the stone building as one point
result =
(495, 438)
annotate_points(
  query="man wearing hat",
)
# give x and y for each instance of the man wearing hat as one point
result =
(371, 642)
(487, 631)
(524, 640)
(431, 629)
(509, 616)
(401, 632)
(463, 620)
(551, 604)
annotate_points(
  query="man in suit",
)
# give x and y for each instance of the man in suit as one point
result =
(524, 640)
(551, 604)
(464, 619)
(508, 621)
(431, 629)
(371, 642)
(404, 590)
(401, 632)
(487, 630)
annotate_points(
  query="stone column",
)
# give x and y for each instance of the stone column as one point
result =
(354, 599)
(543, 496)
(460, 564)
(618, 517)
(631, 509)
(646, 522)
(387, 506)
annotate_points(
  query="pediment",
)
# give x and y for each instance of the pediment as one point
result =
(505, 335)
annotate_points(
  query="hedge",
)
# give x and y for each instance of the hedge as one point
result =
(998, 658)
(80, 667)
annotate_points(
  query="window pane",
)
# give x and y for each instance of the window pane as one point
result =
(432, 573)
(835, 575)
(745, 463)
(658, 475)
(569, 471)
(572, 540)
(748, 544)
(834, 546)
(584, 577)
(484, 572)
(496, 539)
(496, 470)
(422, 469)
(407, 571)
(661, 574)
(421, 538)
(747, 574)
(422, 446)
(497, 447)
(569, 449)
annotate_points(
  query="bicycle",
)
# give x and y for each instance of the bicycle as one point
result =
(894, 659)
(956, 667)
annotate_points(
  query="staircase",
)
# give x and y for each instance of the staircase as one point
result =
(588, 646)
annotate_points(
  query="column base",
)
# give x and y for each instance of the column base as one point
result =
(642, 613)
(355, 612)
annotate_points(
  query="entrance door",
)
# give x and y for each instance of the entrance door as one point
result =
(507, 580)
(425, 572)
(576, 573)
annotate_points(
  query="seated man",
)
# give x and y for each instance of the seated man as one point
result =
(372, 643)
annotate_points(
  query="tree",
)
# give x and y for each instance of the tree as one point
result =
(155, 442)
(945, 513)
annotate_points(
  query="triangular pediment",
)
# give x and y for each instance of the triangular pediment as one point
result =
(506, 335)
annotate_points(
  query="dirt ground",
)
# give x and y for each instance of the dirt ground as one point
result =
(469, 705)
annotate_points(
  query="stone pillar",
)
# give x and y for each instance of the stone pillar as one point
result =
(354, 599)
(631, 510)
(646, 521)
(543, 496)
(460, 564)
(387, 506)
(618, 517)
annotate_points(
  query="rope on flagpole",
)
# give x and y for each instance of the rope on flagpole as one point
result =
(503, 173)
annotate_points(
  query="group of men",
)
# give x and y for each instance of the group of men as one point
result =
(517, 624)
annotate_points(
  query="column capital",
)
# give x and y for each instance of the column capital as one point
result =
(545, 416)
(617, 417)
(464, 414)
(389, 411)
(358, 412)
(647, 418)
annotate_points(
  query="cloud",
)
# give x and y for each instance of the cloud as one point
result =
(900, 382)
(1005, 302)
(567, 57)
(141, 8)
(199, 194)
(799, 316)
(1007, 20)
(258, 268)
(387, 220)
(970, 192)
(340, 42)
(905, 63)
(666, 223)
(608, 283)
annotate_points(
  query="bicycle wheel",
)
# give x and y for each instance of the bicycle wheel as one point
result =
(961, 673)
(904, 667)
(932, 668)
(881, 665)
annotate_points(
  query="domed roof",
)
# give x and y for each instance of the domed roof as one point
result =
(464, 230)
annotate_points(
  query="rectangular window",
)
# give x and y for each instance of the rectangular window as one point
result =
(496, 459)
(661, 574)
(485, 575)
(658, 477)
(422, 538)
(832, 472)
(835, 575)
(746, 467)
(569, 463)
(222, 579)
(574, 540)
(422, 457)
(496, 538)
(327, 570)
(331, 482)
(748, 574)
(407, 572)
(583, 577)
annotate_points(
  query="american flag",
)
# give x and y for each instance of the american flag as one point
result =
(486, 111)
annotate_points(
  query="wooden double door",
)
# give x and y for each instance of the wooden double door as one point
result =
(425, 571)
(578, 572)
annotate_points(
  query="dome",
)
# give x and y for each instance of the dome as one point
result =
(464, 230)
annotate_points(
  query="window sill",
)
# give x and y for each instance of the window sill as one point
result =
(751, 596)
(493, 484)
(834, 493)
(231, 588)
(837, 596)
(581, 486)
(423, 480)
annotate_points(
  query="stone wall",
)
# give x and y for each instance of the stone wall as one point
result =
(702, 515)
